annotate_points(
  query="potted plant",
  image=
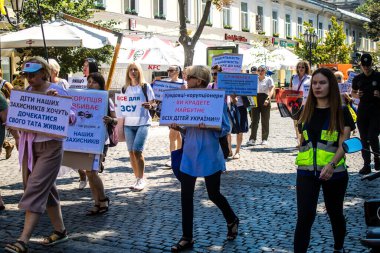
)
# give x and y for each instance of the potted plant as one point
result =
(208, 23)
(276, 35)
(261, 33)
(187, 21)
(245, 29)
(227, 27)
(100, 7)
(160, 16)
(289, 37)
(131, 12)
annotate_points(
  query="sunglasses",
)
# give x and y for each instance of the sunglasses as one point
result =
(300, 67)
(214, 74)
(29, 74)
(170, 70)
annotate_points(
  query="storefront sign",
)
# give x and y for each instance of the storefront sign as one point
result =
(39, 113)
(192, 107)
(235, 37)
(238, 83)
(87, 135)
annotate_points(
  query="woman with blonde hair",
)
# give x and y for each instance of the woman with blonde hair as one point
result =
(54, 75)
(138, 120)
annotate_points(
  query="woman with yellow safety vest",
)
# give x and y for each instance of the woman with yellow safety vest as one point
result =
(324, 125)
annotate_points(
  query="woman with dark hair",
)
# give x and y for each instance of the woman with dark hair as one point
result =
(89, 66)
(301, 82)
(324, 125)
(96, 81)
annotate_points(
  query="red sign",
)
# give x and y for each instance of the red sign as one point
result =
(235, 38)
(154, 67)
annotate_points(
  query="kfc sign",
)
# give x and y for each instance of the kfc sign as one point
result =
(154, 67)
(235, 38)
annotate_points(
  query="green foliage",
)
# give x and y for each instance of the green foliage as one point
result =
(302, 50)
(371, 9)
(70, 59)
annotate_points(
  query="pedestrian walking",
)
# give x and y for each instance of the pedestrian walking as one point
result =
(366, 86)
(324, 125)
(300, 82)
(96, 81)
(137, 123)
(265, 90)
(89, 66)
(3, 119)
(202, 157)
(54, 75)
(40, 157)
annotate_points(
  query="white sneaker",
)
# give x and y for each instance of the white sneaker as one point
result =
(140, 185)
(134, 184)
(251, 143)
(264, 142)
(169, 163)
(82, 184)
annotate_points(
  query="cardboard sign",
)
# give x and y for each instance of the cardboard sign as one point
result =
(88, 133)
(192, 107)
(344, 87)
(39, 113)
(128, 106)
(289, 102)
(160, 86)
(77, 82)
(229, 62)
(238, 83)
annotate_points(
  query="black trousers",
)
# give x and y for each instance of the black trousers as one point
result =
(308, 188)
(369, 129)
(213, 190)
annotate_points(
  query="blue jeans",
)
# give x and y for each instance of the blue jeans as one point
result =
(135, 137)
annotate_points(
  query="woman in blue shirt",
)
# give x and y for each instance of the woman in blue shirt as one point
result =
(203, 157)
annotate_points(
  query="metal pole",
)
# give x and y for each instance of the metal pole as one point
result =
(310, 54)
(42, 29)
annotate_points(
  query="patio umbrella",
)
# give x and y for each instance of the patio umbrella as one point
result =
(58, 34)
(286, 58)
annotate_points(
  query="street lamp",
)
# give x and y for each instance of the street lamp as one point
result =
(311, 39)
(17, 6)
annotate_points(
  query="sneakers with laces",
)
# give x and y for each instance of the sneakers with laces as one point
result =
(132, 186)
(168, 163)
(140, 185)
(365, 170)
(264, 142)
(82, 184)
(251, 142)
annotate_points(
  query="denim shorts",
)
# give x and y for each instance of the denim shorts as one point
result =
(135, 137)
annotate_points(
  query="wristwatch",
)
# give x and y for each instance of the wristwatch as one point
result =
(333, 165)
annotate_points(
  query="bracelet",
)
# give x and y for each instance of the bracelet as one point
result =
(333, 165)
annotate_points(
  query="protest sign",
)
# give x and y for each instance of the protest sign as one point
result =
(238, 83)
(88, 133)
(192, 106)
(347, 86)
(39, 113)
(128, 106)
(77, 82)
(229, 62)
(289, 102)
(160, 86)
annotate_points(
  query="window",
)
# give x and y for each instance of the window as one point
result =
(311, 22)
(158, 7)
(187, 10)
(274, 22)
(130, 6)
(260, 19)
(226, 16)
(288, 26)
(244, 16)
(203, 9)
(320, 30)
(347, 39)
(354, 37)
(329, 27)
(299, 27)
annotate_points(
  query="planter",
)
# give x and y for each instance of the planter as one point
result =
(245, 29)
(276, 35)
(100, 7)
(131, 12)
(162, 17)
(208, 24)
(261, 33)
(227, 27)
(289, 38)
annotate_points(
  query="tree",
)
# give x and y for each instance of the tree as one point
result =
(337, 51)
(302, 49)
(70, 59)
(371, 8)
(188, 42)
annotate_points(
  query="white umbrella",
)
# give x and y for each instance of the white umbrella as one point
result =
(285, 57)
(200, 53)
(58, 34)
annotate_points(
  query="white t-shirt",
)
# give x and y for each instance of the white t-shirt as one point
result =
(139, 116)
(265, 85)
(305, 86)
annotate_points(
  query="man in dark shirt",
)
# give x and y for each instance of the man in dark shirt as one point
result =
(366, 86)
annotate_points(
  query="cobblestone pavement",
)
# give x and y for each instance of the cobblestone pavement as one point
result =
(260, 187)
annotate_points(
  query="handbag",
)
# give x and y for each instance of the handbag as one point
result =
(176, 158)
(112, 133)
(296, 106)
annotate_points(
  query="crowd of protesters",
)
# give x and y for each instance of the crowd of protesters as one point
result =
(324, 123)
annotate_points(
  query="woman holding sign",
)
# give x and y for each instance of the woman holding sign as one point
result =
(202, 157)
(96, 81)
(137, 120)
(324, 125)
(40, 157)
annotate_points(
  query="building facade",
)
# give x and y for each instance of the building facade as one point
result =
(274, 21)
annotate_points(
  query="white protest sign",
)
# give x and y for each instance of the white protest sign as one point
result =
(192, 107)
(88, 133)
(229, 62)
(344, 87)
(128, 106)
(306, 89)
(160, 86)
(77, 82)
(238, 83)
(39, 113)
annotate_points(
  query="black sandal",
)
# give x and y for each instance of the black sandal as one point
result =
(17, 247)
(233, 229)
(189, 243)
(93, 211)
(55, 237)
(104, 209)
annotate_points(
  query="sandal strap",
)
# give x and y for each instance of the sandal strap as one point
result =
(56, 235)
(15, 247)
